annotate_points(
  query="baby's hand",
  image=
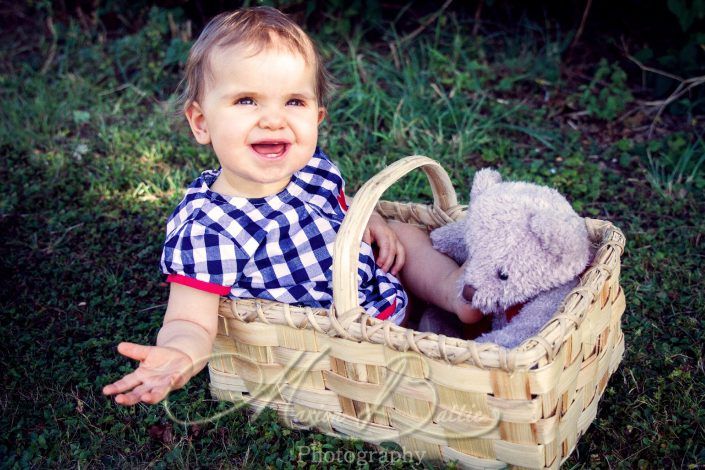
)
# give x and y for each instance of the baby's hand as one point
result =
(160, 371)
(391, 252)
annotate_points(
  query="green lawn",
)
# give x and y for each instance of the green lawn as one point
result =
(93, 163)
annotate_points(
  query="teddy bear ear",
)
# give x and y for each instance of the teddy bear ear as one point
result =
(484, 179)
(562, 236)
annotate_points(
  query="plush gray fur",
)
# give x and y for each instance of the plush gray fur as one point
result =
(532, 316)
(526, 233)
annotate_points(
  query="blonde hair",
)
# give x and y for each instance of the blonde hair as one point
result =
(258, 27)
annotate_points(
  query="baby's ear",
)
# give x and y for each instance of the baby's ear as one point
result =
(322, 113)
(197, 121)
(484, 179)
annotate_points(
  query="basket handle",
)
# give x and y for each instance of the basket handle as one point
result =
(347, 244)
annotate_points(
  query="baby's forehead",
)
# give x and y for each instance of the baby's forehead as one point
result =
(234, 56)
(245, 63)
(251, 49)
(268, 42)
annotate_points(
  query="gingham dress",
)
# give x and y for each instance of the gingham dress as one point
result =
(277, 247)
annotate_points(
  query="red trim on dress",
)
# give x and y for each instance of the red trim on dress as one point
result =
(200, 285)
(388, 312)
(341, 201)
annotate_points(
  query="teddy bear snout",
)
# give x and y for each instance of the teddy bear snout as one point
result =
(484, 300)
(468, 292)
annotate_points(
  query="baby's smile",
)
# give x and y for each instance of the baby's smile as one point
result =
(271, 149)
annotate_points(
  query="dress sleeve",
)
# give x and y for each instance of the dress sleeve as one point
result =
(201, 258)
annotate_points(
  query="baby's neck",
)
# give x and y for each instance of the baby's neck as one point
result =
(226, 188)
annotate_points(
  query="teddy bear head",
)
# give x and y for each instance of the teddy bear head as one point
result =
(522, 239)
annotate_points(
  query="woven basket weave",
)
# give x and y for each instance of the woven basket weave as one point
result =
(347, 374)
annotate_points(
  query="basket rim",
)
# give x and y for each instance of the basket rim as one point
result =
(356, 325)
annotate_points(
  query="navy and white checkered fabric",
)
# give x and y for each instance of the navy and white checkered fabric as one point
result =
(277, 248)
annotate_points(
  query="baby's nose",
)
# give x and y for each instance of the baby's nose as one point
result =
(271, 120)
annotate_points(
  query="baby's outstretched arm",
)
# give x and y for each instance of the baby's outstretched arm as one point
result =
(183, 345)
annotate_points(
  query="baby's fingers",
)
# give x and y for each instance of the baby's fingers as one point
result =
(385, 257)
(400, 259)
(128, 382)
(134, 351)
(367, 236)
(149, 392)
(127, 399)
(155, 395)
(158, 393)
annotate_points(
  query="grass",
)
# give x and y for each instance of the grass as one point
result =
(678, 163)
(92, 164)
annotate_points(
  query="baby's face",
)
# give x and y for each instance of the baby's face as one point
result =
(261, 115)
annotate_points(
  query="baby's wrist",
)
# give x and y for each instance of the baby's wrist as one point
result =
(188, 339)
(175, 346)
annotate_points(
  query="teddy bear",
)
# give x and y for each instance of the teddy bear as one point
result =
(520, 244)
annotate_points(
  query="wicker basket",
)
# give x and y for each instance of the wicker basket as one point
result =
(347, 374)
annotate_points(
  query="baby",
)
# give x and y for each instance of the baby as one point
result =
(264, 224)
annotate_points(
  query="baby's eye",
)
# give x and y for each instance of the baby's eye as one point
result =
(502, 274)
(246, 101)
(295, 102)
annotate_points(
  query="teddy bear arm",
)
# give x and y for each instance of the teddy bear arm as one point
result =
(450, 240)
(530, 319)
